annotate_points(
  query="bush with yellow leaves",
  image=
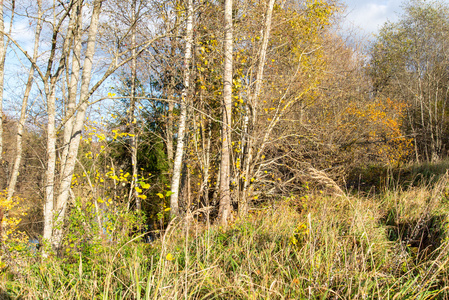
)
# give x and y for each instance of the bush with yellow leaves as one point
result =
(12, 211)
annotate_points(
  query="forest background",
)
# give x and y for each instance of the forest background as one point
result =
(227, 149)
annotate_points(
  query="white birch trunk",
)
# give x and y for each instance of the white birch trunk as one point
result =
(73, 81)
(225, 196)
(132, 108)
(3, 48)
(23, 111)
(169, 134)
(69, 167)
(51, 167)
(171, 106)
(177, 166)
(50, 90)
(254, 99)
(2, 73)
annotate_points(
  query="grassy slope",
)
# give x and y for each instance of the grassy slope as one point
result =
(390, 246)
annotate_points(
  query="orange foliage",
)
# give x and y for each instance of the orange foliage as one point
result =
(383, 119)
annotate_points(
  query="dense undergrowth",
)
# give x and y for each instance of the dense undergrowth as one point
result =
(375, 178)
(393, 245)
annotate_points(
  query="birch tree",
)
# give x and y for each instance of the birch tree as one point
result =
(73, 123)
(252, 109)
(225, 195)
(3, 47)
(50, 83)
(23, 111)
(2, 72)
(132, 107)
(177, 165)
(67, 169)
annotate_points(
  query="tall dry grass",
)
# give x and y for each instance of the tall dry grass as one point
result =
(389, 246)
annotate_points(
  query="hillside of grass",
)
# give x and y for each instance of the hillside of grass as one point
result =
(392, 245)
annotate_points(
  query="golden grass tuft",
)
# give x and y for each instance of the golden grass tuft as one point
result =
(389, 246)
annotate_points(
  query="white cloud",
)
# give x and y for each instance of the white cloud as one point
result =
(23, 33)
(369, 16)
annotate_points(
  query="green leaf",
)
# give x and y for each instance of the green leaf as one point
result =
(169, 193)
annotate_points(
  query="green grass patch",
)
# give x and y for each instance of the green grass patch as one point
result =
(392, 245)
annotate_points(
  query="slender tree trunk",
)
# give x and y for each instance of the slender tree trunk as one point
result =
(171, 105)
(205, 133)
(169, 134)
(177, 166)
(3, 47)
(225, 195)
(2, 74)
(243, 205)
(73, 82)
(215, 199)
(23, 111)
(79, 121)
(132, 107)
(51, 167)
(188, 192)
(50, 91)
(207, 164)
(202, 154)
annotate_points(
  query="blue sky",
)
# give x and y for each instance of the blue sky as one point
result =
(370, 15)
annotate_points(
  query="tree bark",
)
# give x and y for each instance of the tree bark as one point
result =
(225, 196)
(243, 205)
(132, 107)
(23, 111)
(73, 82)
(69, 167)
(2, 73)
(51, 168)
(50, 82)
(3, 47)
(170, 83)
(169, 134)
(177, 166)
